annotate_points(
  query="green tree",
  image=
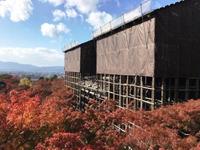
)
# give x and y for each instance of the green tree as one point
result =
(54, 77)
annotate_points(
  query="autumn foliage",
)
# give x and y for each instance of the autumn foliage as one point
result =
(43, 117)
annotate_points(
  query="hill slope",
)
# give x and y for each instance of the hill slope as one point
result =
(16, 67)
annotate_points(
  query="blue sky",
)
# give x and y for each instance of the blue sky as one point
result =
(35, 31)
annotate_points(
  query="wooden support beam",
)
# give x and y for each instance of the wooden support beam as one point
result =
(109, 90)
(105, 83)
(176, 89)
(141, 93)
(135, 93)
(114, 79)
(127, 92)
(120, 90)
(163, 91)
(153, 94)
(197, 89)
(187, 89)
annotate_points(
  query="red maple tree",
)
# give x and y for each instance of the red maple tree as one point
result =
(42, 117)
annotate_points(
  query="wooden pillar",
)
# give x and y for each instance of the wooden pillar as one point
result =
(114, 79)
(102, 89)
(109, 80)
(104, 83)
(187, 89)
(135, 92)
(163, 91)
(141, 93)
(176, 89)
(153, 93)
(197, 89)
(127, 92)
(120, 91)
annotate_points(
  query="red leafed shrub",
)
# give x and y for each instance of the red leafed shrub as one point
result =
(69, 141)
(23, 110)
(52, 112)
(170, 127)
(44, 117)
(98, 121)
(48, 88)
(153, 137)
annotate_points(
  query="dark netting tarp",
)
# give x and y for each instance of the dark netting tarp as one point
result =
(177, 40)
(72, 60)
(88, 58)
(128, 52)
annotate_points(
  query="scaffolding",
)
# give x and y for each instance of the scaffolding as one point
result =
(133, 92)
(148, 93)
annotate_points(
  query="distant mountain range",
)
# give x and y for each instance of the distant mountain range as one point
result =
(16, 67)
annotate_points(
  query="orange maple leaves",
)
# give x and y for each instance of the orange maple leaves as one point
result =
(43, 117)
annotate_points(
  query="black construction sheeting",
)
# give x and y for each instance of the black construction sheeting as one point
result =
(88, 58)
(177, 40)
(81, 59)
(164, 43)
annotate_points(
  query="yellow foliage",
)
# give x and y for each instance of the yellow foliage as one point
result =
(25, 82)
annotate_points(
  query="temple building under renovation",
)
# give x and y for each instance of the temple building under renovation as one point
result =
(145, 62)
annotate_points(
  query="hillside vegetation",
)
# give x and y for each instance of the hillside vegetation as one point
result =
(42, 116)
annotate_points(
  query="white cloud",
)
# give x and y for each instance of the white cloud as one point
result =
(71, 13)
(52, 30)
(62, 28)
(48, 30)
(87, 9)
(17, 10)
(83, 6)
(97, 19)
(54, 2)
(58, 15)
(36, 56)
